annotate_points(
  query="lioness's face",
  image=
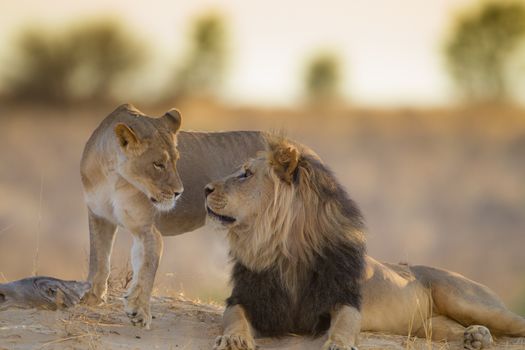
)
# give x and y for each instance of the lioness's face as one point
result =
(150, 164)
(236, 199)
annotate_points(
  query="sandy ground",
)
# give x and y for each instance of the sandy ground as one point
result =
(178, 323)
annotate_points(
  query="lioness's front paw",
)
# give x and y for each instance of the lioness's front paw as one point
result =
(330, 345)
(234, 342)
(140, 316)
(139, 313)
(477, 337)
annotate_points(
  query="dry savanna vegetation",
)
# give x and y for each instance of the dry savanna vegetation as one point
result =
(438, 187)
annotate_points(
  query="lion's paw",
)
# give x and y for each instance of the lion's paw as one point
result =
(330, 345)
(477, 337)
(233, 342)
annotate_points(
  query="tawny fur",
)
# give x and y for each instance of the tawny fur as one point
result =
(131, 171)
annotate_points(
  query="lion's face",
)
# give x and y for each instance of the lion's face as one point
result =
(236, 200)
(244, 197)
(150, 164)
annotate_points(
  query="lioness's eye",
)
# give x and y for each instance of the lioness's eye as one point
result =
(159, 166)
(245, 174)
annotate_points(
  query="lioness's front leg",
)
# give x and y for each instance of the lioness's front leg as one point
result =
(101, 238)
(146, 253)
(344, 328)
(237, 333)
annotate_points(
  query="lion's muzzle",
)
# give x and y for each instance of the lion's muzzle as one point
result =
(214, 203)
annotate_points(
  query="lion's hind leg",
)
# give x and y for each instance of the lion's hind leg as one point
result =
(469, 303)
(477, 337)
(442, 328)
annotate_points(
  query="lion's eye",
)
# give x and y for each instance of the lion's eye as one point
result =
(159, 166)
(247, 173)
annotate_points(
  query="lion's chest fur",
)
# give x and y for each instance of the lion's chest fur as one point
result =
(331, 280)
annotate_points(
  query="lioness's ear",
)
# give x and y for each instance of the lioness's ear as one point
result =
(126, 137)
(173, 119)
(284, 161)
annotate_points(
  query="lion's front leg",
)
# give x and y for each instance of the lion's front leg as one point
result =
(237, 333)
(146, 253)
(344, 329)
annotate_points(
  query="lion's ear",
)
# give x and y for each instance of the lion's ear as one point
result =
(173, 120)
(126, 137)
(285, 159)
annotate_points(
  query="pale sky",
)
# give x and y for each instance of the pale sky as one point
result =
(390, 48)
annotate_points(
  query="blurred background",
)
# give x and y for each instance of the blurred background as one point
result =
(417, 106)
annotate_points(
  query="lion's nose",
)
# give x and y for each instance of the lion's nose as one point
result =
(208, 189)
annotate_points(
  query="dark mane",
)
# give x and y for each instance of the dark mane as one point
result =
(328, 231)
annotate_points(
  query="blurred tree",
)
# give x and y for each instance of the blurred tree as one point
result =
(203, 68)
(480, 46)
(104, 53)
(322, 78)
(42, 67)
(81, 63)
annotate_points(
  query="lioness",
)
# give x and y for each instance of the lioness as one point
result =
(297, 244)
(132, 177)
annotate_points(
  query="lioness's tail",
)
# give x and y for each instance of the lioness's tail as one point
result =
(468, 302)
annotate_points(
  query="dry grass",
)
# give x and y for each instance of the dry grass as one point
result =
(38, 229)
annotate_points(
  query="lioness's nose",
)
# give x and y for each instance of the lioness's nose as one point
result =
(208, 189)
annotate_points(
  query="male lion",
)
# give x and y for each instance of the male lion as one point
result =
(298, 248)
(130, 174)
